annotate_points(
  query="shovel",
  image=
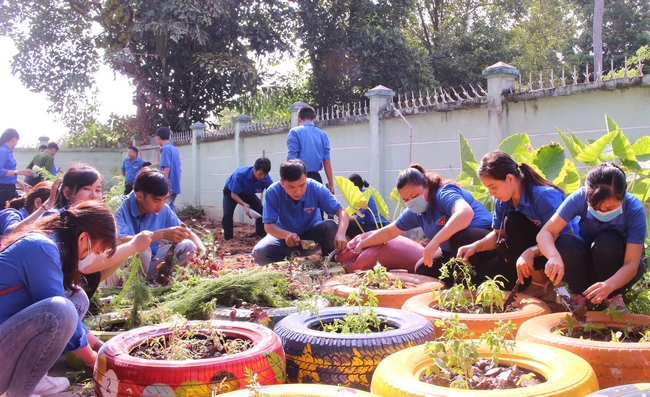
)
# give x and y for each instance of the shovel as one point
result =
(571, 303)
(511, 297)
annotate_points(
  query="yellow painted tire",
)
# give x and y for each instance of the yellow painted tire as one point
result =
(614, 363)
(394, 298)
(304, 390)
(478, 323)
(567, 375)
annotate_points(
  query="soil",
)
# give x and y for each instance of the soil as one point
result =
(604, 334)
(487, 376)
(194, 347)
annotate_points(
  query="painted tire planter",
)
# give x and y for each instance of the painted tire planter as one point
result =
(315, 356)
(636, 390)
(567, 375)
(119, 374)
(394, 298)
(478, 323)
(78, 364)
(614, 363)
(304, 390)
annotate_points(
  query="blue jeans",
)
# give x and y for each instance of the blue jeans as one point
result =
(31, 341)
(271, 249)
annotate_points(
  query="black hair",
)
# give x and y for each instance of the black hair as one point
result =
(76, 177)
(292, 170)
(40, 190)
(604, 181)
(263, 164)
(306, 113)
(151, 181)
(42, 147)
(163, 133)
(8, 135)
(92, 217)
(417, 176)
(53, 145)
(498, 165)
(358, 181)
(146, 164)
(135, 149)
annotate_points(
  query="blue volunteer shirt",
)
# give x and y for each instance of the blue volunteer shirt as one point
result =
(309, 144)
(131, 168)
(7, 162)
(170, 158)
(9, 218)
(367, 213)
(34, 261)
(631, 223)
(130, 222)
(242, 182)
(298, 217)
(547, 200)
(435, 218)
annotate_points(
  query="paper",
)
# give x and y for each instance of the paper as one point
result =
(254, 214)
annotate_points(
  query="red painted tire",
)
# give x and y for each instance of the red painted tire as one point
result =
(615, 364)
(314, 356)
(119, 374)
(394, 298)
(478, 323)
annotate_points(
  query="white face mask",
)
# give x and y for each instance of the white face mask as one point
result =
(418, 204)
(90, 258)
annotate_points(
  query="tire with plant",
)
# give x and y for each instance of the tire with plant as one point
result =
(303, 390)
(117, 373)
(614, 363)
(529, 307)
(346, 359)
(566, 374)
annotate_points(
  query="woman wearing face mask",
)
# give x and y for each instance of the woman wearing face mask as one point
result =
(37, 322)
(607, 258)
(447, 214)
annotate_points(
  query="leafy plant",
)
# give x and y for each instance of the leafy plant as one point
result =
(190, 211)
(358, 200)
(253, 385)
(489, 294)
(378, 277)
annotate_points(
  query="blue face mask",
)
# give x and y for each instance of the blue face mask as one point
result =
(607, 216)
(418, 204)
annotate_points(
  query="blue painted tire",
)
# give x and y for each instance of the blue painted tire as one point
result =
(635, 390)
(349, 360)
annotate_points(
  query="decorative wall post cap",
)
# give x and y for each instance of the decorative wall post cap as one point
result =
(500, 69)
(296, 106)
(197, 126)
(242, 118)
(380, 91)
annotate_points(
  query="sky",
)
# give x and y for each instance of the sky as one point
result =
(27, 111)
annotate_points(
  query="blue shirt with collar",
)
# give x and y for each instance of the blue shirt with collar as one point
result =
(170, 158)
(242, 181)
(131, 168)
(367, 213)
(298, 217)
(130, 222)
(538, 209)
(435, 218)
(35, 262)
(631, 223)
(309, 144)
(7, 163)
(9, 218)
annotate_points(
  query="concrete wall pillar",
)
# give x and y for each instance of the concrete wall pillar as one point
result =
(380, 99)
(294, 112)
(501, 79)
(241, 123)
(198, 130)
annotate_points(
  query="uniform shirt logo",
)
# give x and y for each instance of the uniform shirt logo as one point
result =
(441, 221)
(310, 210)
(535, 222)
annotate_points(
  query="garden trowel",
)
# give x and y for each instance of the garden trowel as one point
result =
(572, 303)
(512, 296)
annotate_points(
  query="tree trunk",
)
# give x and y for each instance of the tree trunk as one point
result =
(598, 37)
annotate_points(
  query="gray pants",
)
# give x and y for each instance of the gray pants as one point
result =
(184, 251)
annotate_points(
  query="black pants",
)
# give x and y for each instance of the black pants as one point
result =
(585, 265)
(229, 206)
(90, 283)
(354, 228)
(128, 188)
(315, 176)
(7, 193)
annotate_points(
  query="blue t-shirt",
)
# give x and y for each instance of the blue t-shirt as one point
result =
(545, 202)
(309, 144)
(631, 223)
(367, 213)
(9, 218)
(7, 163)
(298, 217)
(131, 168)
(130, 222)
(170, 158)
(34, 261)
(242, 181)
(435, 218)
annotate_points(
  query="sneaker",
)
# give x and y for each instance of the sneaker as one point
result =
(50, 385)
(620, 304)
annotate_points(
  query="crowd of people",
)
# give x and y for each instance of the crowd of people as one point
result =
(59, 241)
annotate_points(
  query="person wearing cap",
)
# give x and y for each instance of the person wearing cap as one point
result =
(242, 188)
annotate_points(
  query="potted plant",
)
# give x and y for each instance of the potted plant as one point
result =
(458, 365)
(478, 307)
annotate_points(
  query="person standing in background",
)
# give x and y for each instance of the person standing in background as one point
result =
(170, 164)
(311, 145)
(44, 160)
(130, 168)
(8, 172)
